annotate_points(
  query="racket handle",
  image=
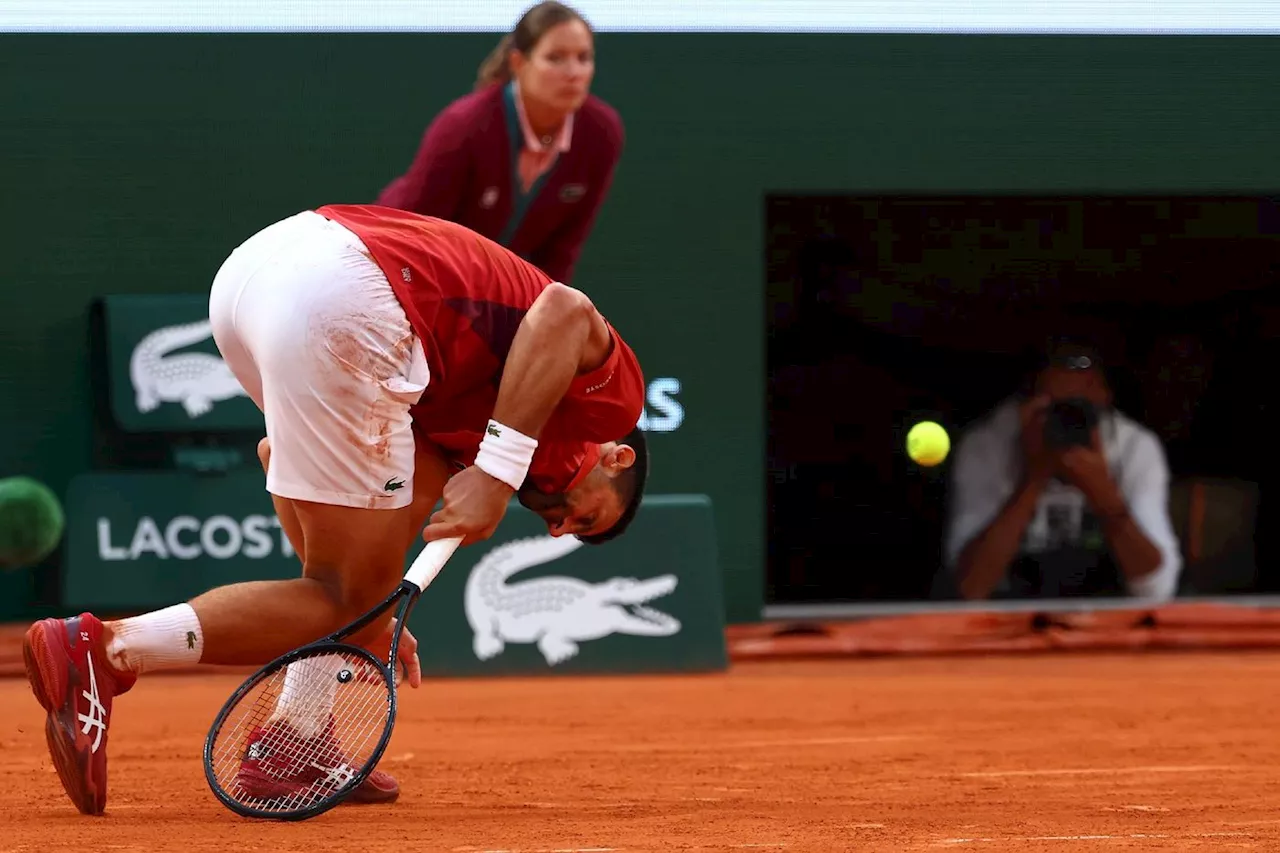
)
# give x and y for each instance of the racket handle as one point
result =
(431, 560)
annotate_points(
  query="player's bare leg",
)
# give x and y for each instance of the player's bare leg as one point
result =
(285, 513)
(352, 559)
(302, 723)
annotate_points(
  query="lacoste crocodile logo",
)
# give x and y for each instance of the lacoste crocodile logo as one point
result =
(555, 611)
(392, 485)
(196, 380)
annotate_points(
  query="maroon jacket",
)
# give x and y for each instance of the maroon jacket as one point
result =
(465, 171)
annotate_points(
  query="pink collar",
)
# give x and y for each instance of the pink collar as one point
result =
(560, 142)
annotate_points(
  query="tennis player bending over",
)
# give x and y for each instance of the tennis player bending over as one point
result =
(386, 351)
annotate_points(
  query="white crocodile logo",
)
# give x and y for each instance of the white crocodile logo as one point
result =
(197, 380)
(556, 612)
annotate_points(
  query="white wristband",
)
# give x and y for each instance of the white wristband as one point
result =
(505, 454)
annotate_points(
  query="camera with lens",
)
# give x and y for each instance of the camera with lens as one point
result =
(1070, 423)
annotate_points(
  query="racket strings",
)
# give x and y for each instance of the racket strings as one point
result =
(302, 733)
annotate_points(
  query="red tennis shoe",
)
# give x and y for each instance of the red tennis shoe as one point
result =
(67, 666)
(279, 763)
(377, 787)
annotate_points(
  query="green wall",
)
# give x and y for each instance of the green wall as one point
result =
(134, 164)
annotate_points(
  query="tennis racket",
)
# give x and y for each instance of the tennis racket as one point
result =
(302, 733)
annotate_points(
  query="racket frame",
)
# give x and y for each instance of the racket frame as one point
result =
(424, 570)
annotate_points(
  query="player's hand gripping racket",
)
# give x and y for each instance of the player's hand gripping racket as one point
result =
(304, 731)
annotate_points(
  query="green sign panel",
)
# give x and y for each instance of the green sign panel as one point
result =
(521, 602)
(166, 374)
(142, 540)
(528, 602)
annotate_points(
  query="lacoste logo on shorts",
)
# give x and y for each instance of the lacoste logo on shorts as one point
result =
(393, 484)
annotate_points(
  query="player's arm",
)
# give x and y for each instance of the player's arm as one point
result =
(561, 336)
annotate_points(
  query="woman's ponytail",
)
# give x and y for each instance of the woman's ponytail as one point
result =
(496, 67)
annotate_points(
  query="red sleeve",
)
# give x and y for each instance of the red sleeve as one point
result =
(559, 255)
(605, 404)
(437, 177)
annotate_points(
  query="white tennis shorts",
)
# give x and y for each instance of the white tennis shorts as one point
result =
(310, 327)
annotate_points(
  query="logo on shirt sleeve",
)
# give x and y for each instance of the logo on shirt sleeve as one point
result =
(591, 389)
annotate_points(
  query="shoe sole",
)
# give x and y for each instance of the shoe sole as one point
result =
(71, 763)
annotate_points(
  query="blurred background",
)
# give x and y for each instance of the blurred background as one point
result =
(886, 311)
(827, 225)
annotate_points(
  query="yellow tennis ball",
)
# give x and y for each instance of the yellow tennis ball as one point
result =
(928, 443)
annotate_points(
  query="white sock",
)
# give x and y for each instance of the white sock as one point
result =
(162, 639)
(310, 689)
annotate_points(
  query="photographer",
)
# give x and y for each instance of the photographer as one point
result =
(1056, 493)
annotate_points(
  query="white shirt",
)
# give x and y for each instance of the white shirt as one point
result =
(988, 467)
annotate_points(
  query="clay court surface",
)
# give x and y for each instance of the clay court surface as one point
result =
(1041, 752)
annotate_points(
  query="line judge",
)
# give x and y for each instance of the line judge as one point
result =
(527, 158)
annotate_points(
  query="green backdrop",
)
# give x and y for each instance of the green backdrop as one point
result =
(133, 164)
(143, 540)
